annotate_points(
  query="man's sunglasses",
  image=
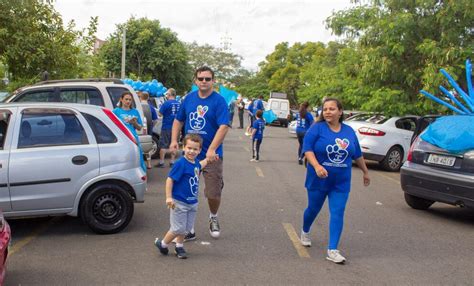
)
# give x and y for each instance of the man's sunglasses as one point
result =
(204, 79)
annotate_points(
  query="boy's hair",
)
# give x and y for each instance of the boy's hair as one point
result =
(259, 113)
(203, 69)
(193, 137)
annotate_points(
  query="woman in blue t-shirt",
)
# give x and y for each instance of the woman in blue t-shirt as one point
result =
(304, 119)
(330, 146)
(132, 120)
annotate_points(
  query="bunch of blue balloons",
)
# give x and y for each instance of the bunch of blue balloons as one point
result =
(153, 87)
(465, 109)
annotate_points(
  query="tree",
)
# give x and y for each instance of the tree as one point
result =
(33, 39)
(226, 65)
(152, 52)
(400, 46)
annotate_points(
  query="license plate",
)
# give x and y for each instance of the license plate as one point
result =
(441, 160)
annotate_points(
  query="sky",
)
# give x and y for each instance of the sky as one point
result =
(251, 28)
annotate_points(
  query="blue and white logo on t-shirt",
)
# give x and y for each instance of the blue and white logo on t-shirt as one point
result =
(337, 153)
(194, 182)
(196, 119)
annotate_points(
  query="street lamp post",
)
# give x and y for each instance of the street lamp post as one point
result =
(124, 38)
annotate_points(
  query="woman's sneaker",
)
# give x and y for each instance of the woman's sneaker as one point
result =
(335, 256)
(305, 239)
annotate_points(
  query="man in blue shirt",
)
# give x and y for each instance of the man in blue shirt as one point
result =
(205, 112)
(258, 105)
(168, 110)
(257, 135)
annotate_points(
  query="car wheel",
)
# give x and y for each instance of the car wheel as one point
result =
(155, 150)
(107, 208)
(417, 203)
(393, 160)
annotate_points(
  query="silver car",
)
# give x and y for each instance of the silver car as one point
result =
(69, 159)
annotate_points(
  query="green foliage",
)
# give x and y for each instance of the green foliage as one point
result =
(151, 52)
(33, 39)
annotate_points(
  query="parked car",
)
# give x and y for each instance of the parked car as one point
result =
(103, 92)
(385, 139)
(432, 174)
(5, 237)
(3, 95)
(69, 159)
(292, 128)
(155, 150)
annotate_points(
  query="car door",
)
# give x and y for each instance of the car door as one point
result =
(406, 126)
(5, 142)
(51, 158)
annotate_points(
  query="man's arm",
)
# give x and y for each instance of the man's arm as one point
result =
(177, 126)
(218, 139)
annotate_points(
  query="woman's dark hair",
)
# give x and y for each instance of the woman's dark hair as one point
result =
(123, 95)
(303, 109)
(339, 106)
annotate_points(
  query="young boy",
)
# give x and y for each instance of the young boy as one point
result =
(257, 135)
(182, 186)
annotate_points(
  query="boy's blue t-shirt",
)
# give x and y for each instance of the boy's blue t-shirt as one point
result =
(185, 176)
(303, 124)
(250, 109)
(123, 114)
(259, 126)
(257, 105)
(169, 109)
(335, 152)
(204, 116)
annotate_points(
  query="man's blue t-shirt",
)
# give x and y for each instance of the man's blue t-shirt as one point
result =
(250, 109)
(335, 152)
(303, 124)
(123, 114)
(169, 109)
(204, 116)
(185, 176)
(258, 125)
(257, 105)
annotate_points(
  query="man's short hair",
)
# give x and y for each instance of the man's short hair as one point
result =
(203, 69)
(193, 137)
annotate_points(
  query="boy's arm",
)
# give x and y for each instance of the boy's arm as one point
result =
(169, 190)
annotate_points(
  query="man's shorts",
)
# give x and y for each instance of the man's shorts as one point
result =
(213, 179)
(165, 139)
(182, 217)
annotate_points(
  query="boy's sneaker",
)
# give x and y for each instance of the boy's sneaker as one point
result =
(305, 239)
(160, 165)
(253, 160)
(214, 228)
(335, 256)
(171, 164)
(180, 252)
(163, 250)
(190, 236)
(300, 161)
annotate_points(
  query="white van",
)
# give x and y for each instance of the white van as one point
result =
(281, 108)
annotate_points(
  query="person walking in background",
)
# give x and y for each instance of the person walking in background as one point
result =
(258, 104)
(168, 110)
(148, 112)
(330, 146)
(205, 112)
(304, 119)
(251, 118)
(257, 135)
(240, 110)
(132, 119)
(231, 112)
(182, 189)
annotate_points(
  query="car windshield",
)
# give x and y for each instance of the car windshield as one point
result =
(360, 117)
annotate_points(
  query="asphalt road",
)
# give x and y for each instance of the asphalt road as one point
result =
(384, 240)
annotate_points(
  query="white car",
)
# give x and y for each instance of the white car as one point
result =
(385, 139)
(292, 128)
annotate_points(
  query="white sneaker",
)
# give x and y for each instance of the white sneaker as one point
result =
(335, 256)
(247, 134)
(253, 160)
(305, 239)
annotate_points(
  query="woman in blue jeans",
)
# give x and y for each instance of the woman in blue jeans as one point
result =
(330, 146)
(304, 119)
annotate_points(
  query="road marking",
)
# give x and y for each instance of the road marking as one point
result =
(22, 243)
(259, 172)
(388, 177)
(290, 230)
